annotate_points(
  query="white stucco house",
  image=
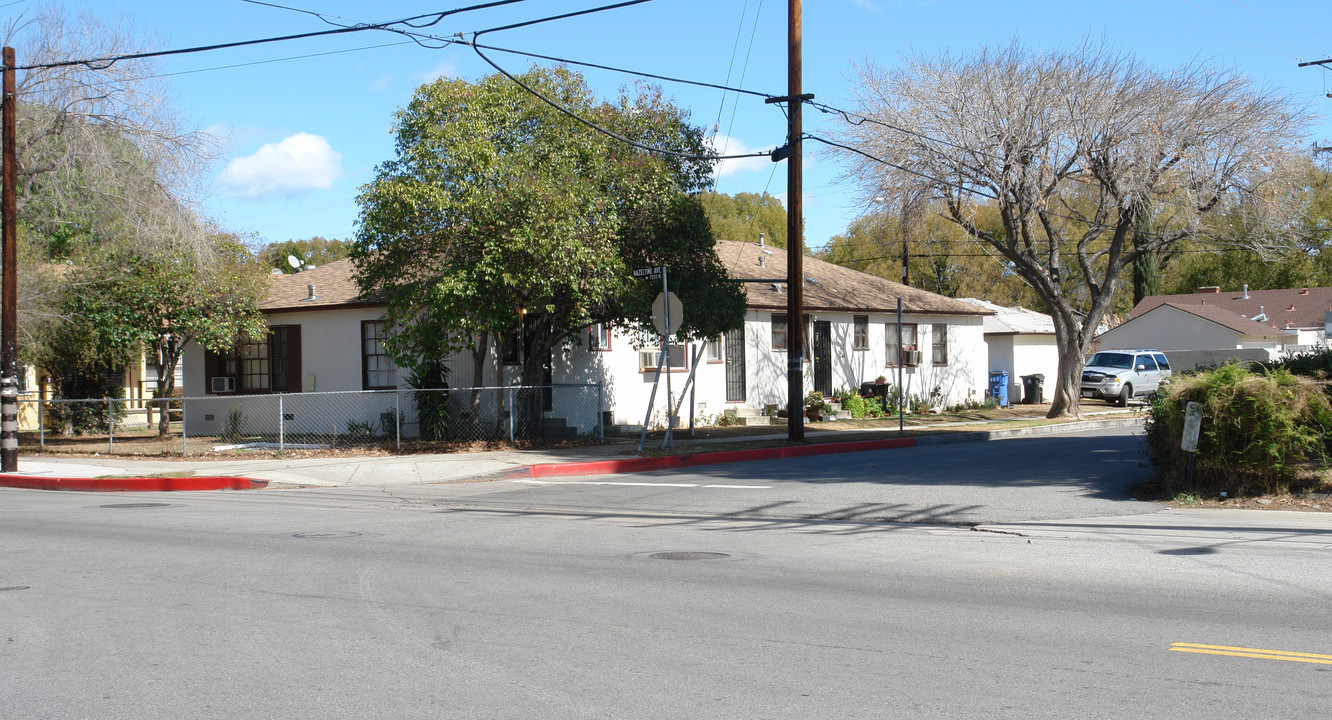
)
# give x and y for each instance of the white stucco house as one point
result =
(1019, 342)
(324, 336)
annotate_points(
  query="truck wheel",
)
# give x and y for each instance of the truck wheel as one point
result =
(1124, 395)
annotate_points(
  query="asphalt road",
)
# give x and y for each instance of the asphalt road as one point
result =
(464, 602)
(1066, 476)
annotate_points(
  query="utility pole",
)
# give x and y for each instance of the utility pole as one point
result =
(9, 278)
(795, 240)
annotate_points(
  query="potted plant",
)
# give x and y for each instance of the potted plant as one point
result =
(816, 407)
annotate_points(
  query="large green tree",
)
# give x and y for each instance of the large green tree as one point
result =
(742, 217)
(157, 303)
(499, 210)
(312, 251)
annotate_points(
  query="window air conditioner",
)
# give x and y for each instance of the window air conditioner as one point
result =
(911, 357)
(224, 384)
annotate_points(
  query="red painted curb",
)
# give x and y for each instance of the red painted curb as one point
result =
(668, 462)
(131, 484)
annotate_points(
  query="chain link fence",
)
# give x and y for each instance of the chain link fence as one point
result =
(393, 419)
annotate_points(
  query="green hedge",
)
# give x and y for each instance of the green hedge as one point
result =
(1257, 430)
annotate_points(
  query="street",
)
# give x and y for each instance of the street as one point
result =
(788, 589)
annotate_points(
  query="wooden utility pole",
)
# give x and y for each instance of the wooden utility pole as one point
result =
(795, 245)
(9, 277)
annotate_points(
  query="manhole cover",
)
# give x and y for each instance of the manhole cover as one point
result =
(326, 535)
(687, 555)
(136, 505)
(16, 587)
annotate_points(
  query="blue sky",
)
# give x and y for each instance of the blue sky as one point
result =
(302, 134)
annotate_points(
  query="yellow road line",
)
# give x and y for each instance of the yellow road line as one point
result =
(1252, 653)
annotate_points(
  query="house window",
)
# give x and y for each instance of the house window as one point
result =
(271, 364)
(509, 347)
(254, 365)
(378, 371)
(939, 344)
(599, 337)
(713, 350)
(778, 332)
(860, 338)
(650, 356)
(892, 354)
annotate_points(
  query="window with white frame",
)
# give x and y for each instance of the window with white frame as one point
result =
(599, 337)
(860, 336)
(779, 332)
(894, 352)
(939, 344)
(378, 371)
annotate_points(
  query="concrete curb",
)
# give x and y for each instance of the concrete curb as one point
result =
(669, 462)
(131, 484)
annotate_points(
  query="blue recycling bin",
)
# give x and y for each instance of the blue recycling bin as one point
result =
(999, 387)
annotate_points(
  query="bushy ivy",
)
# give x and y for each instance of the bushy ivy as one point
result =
(1257, 430)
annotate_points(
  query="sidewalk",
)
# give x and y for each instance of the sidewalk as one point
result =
(1210, 528)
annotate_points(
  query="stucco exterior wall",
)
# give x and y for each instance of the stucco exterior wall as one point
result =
(1166, 328)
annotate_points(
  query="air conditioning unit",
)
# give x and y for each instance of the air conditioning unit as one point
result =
(224, 384)
(911, 357)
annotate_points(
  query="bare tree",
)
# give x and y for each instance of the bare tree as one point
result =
(100, 143)
(1072, 148)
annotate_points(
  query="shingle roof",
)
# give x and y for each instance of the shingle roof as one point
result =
(1013, 321)
(1289, 308)
(828, 287)
(333, 283)
(1226, 319)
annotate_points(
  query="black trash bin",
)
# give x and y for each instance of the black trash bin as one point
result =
(1033, 392)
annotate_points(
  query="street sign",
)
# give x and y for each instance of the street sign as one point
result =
(659, 313)
(1192, 426)
(649, 273)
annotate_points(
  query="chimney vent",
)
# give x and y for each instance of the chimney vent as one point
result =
(763, 261)
(1246, 291)
(761, 236)
(310, 293)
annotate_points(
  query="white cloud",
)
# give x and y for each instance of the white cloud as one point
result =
(382, 83)
(300, 162)
(445, 68)
(725, 145)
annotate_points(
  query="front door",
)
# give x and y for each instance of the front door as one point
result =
(735, 365)
(823, 357)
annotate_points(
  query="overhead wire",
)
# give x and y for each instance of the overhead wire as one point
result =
(103, 63)
(575, 116)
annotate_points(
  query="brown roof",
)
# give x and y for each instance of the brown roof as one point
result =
(828, 287)
(1292, 308)
(334, 286)
(1225, 318)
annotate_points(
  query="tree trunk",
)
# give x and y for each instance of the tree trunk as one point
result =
(166, 384)
(479, 350)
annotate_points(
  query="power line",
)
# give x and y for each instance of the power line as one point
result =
(565, 111)
(103, 63)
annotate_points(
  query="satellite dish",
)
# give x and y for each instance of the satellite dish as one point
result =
(294, 262)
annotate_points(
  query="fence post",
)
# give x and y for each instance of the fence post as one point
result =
(41, 421)
(111, 426)
(282, 427)
(397, 418)
(511, 413)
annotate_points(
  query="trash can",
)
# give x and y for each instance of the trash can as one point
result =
(999, 387)
(1032, 390)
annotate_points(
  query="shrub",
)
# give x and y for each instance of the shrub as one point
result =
(873, 408)
(855, 405)
(1256, 429)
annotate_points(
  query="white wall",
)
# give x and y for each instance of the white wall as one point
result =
(1166, 328)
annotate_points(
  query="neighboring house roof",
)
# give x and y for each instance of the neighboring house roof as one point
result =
(828, 287)
(1224, 318)
(334, 286)
(1013, 320)
(1289, 308)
